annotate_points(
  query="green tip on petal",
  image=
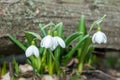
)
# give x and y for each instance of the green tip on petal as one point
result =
(55, 33)
(33, 42)
(99, 28)
(49, 32)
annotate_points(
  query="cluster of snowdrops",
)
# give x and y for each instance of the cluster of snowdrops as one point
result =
(48, 51)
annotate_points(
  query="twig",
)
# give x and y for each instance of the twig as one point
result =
(11, 70)
(99, 74)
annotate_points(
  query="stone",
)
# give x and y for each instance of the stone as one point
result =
(47, 77)
(6, 76)
(25, 68)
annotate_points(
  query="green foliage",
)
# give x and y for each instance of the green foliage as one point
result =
(4, 68)
(51, 60)
(20, 44)
(16, 67)
(72, 37)
(30, 36)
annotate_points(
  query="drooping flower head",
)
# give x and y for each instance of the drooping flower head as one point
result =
(99, 37)
(58, 41)
(52, 42)
(47, 41)
(32, 50)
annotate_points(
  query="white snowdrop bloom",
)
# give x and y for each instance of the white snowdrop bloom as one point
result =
(32, 50)
(99, 37)
(47, 41)
(58, 41)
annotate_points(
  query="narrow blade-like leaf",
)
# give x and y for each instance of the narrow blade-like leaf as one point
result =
(69, 55)
(17, 42)
(72, 37)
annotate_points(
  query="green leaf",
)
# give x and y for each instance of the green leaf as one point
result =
(57, 51)
(82, 26)
(72, 37)
(42, 30)
(30, 36)
(17, 42)
(100, 20)
(16, 66)
(4, 68)
(43, 27)
(69, 55)
(60, 29)
(34, 34)
(48, 25)
(57, 26)
(29, 61)
(39, 63)
(84, 49)
(90, 57)
(57, 54)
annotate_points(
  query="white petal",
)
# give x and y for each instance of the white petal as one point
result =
(46, 42)
(105, 38)
(29, 51)
(99, 37)
(35, 51)
(55, 43)
(52, 48)
(60, 42)
(105, 41)
(32, 50)
(93, 38)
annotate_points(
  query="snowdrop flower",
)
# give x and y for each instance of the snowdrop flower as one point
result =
(32, 50)
(99, 37)
(52, 42)
(47, 41)
(58, 41)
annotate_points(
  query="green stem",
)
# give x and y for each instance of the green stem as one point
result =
(56, 62)
(57, 55)
(50, 66)
(50, 24)
(80, 66)
(91, 27)
(99, 28)
(57, 58)
(44, 56)
(96, 23)
(91, 59)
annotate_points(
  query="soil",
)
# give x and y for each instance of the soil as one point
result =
(89, 73)
(86, 75)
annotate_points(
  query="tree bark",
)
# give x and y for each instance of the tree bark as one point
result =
(23, 15)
